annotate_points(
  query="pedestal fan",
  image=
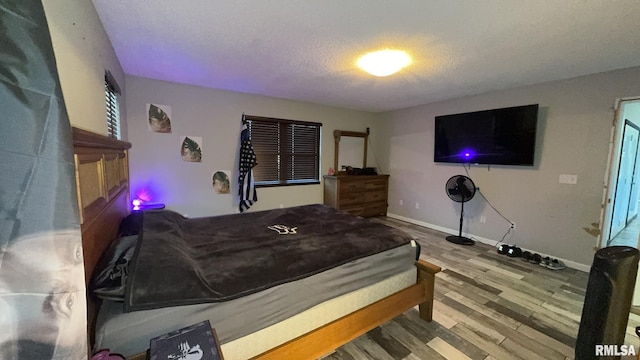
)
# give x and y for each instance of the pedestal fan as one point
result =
(460, 189)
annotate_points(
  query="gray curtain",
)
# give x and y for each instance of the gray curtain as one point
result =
(42, 292)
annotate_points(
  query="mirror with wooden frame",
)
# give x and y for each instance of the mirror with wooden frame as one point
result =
(354, 141)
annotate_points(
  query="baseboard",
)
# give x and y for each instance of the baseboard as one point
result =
(568, 263)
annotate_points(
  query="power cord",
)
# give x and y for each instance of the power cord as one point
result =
(487, 200)
(511, 224)
(496, 210)
(504, 236)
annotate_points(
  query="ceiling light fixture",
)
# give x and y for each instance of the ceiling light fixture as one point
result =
(384, 62)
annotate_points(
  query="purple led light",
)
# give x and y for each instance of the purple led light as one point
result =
(467, 154)
(144, 194)
(147, 193)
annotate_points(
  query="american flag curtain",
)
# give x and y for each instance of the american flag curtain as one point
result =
(43, 313)
(247, 190)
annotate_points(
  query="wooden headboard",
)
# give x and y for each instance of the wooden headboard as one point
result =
(102, 181)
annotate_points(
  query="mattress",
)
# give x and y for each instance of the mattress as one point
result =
(220, 258)
(256, 343)
(243, 324)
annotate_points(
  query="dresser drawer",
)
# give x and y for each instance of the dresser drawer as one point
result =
(373, 196)
(347, 187)
(380, 184)
(350, 199)
(374, 209)
(359, 210)
(362, 195)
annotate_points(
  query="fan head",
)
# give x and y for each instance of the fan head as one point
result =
(460, 188)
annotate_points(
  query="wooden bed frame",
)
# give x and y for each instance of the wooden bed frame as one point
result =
(102, 176)
(102, 183)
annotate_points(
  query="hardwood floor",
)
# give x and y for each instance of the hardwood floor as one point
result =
(487, 306)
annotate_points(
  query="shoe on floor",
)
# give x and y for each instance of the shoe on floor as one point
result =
(545, 261)
(514, 251)
(535, 259)
(526, 256)
(503, 249)
(556, 264)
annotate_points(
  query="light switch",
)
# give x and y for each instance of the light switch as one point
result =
(568, 179)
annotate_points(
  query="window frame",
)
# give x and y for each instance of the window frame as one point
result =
(284, 167)
(112, 102)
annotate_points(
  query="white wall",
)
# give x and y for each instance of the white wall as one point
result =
(215, 115)
(83, 53)
(574, 129)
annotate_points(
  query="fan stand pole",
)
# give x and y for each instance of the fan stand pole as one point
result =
(461, 216)
(460, 240)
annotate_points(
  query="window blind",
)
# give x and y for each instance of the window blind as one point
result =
(112, 92)
(287, 151)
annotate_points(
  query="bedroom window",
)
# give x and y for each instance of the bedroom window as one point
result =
(112, 94)
(287, 151)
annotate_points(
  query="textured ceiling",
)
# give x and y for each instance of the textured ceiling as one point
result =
(306, 50)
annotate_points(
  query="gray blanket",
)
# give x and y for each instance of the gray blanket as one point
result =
(182, 261)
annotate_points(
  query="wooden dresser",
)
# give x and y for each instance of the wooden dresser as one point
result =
(363, 195)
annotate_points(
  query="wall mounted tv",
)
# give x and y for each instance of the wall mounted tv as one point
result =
(504, 136)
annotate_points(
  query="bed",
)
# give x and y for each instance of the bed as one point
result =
(312, 332)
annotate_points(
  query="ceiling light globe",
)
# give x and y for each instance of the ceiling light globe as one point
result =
(384, 62)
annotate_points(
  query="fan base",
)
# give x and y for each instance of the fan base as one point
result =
(460, 240)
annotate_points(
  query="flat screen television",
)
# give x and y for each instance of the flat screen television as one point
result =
(504, 136)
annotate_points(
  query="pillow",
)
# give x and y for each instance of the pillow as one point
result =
(110, 275)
